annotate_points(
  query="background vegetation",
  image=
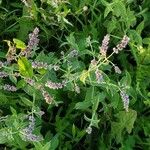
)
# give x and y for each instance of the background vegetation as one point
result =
(75, 74)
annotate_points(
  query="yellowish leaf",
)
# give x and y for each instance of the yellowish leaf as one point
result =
(84, 75)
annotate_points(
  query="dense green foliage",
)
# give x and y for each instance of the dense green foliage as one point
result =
(75, 74)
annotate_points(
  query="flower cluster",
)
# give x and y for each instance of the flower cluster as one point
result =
(122, 44)
(54, 86)
(30, 81)
(39, 65)
(32, 43)
(117, 69)
(73, 53)
(25, 2)
(56, 67)
(89, 130)
(41, 113)
(3, 74)
(48, 98)
(125, 99)
(33, 39)
(77, 89)
(16, 74)
(28, 131)
(8, 87)
(93, 62)
(10, 56)
(1, 64)
(104, 47)
(99, 76)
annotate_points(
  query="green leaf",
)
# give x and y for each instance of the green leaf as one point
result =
(26, 101)
(47, 146)
(119, 9)
(72, 41)
(38, 146)
(73, 131)
(146, 41)
(111, 25)
(125, 121)
(54, 142)
(108, 10)
(3, 99)
(19, 44)
(25, 67)
(140, 27)
(3, 137)
(83, 105)
(13, 79)
(14, 112)
(126, 80)
(21, 84)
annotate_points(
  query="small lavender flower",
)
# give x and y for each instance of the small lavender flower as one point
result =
(124, 42)
(41, 113)
(30, 81)
(53, 85)
(115, 50)
(99, 76)
(64, 83)
(85, 8)
(125, 99)
(62, 54)
(16, 74)
(32, 137)
(89, 130)
(117, 69)
(10, 56)
(3, 74)
(93, 62)
(8, 87)
(56, 67)
(47, 97)
(31, 118)
(88, 40)
(77, 89)
(73, 53)
(39, 65)
(1, 64)
(25, 2)
(104, 47)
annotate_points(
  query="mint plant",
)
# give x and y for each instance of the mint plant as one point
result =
(74, 75)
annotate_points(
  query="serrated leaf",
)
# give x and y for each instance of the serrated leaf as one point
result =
(25, 67)
(119, 9)
(3, 137)
(125, 121)
(19, 44)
